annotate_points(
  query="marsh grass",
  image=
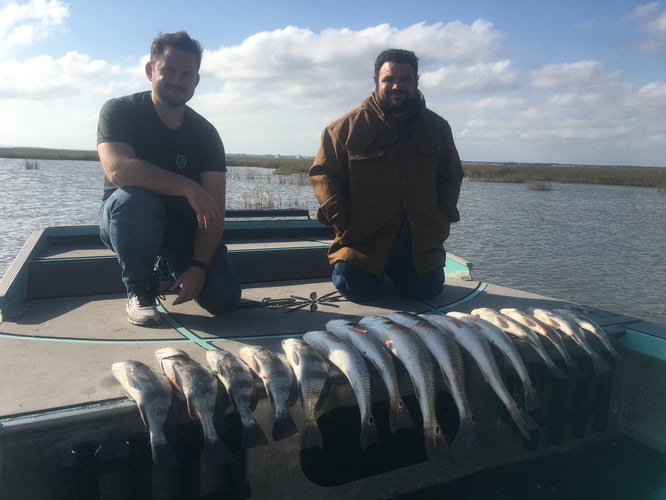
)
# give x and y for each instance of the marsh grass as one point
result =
(654, 177)
(265, 190)
(622, 176)
(539, 186)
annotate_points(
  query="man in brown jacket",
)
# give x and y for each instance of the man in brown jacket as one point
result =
(387, 177)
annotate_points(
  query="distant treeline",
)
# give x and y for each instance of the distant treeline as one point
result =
(48, 154)
(491, 172)
(520, 172)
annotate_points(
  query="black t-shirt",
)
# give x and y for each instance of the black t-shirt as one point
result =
(194, 148)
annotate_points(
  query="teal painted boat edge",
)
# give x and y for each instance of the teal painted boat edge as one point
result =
(644, 343)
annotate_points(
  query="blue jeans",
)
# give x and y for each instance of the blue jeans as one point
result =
(359, 286)
(133, 223)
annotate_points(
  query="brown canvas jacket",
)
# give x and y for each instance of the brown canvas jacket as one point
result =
(371, 171)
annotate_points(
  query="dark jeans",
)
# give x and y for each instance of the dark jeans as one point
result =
(358, 285)
(133, 223)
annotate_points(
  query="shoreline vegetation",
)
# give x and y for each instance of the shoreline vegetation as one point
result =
(536, 175)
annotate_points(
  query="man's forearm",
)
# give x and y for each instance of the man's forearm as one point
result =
(139, 173)
(205, 244)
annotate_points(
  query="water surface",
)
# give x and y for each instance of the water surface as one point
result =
(596, 245)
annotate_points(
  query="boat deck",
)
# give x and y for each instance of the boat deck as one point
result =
(58, 341)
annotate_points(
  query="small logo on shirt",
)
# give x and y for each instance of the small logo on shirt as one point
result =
(181, 161)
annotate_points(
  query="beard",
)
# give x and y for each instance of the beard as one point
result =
(173, 96)
(397, 102)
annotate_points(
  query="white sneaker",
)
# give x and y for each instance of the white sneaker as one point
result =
(142, 308)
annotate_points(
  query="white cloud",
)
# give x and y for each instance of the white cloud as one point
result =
(576, 75)
(22, 24)
(74, 74)
(276, 90)
(476, 77)
(651, 18)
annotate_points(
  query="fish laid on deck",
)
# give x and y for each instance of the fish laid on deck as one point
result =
(311, 371)
(238, 380)
(515, 329)
(479, 348)
(499, 339)
(199, 388)
(584, 322)
(381, 359)
(447, 353)
(546, 332)
(278, 381)
(353, 366)
(416, 359)
(152, 394)
(568, 327)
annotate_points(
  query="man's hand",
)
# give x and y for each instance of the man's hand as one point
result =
(206, 208)
(190, 282)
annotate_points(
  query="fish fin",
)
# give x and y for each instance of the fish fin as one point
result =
(399, 417)
(162, 452)
(216, 452)
(311, 436)
(436, 445)
(251, 434)
(369, 435)
(525, 423)
(283, 427)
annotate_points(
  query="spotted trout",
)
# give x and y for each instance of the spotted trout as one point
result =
(479, 348)
(353, 366)
(569, 328)
(499, 339)
(416, 359)
(515, 329)
(381, 359)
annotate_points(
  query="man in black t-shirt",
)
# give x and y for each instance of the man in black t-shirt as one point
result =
(165, 187)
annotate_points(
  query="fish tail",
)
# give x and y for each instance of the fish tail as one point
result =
(524, 422)
(311, 435)
(469, 433)
(436, 445)
(532, 399)
(399, 416)
(599, 365)
(572, 367)
(217, 452)
(369, 434)
(554, 370)
(283, 426)
(162, 452)
(608, 346)
(251, 434)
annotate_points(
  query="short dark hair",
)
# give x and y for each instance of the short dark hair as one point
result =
(400, 56)
(179, 40)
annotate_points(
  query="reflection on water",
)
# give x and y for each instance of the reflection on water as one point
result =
(596, 245)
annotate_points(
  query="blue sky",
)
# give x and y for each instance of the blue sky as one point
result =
(573, 81)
